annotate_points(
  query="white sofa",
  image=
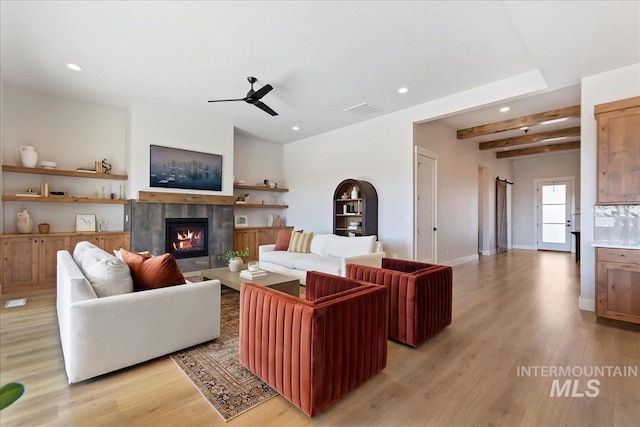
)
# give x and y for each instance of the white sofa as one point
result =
(103, 334)
(329, 254)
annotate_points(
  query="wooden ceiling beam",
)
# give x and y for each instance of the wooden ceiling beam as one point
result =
(529, 138)
(537, 150)
(519, 122)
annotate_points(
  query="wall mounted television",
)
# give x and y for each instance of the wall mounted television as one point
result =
(184, 169)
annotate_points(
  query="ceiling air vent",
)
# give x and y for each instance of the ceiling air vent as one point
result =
(363, 109)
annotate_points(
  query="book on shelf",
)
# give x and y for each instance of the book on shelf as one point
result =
(253, 274)
(352, 227)
(28, 195)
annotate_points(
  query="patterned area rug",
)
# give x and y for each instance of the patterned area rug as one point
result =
(214, 369)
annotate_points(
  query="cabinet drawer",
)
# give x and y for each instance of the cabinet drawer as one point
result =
(627, 256)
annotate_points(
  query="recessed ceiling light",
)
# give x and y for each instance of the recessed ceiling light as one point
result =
(74, 67)
(295, 128)
(403, 90)
(504, 109)
(548, 122)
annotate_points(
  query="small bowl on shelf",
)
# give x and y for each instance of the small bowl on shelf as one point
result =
(48, 165)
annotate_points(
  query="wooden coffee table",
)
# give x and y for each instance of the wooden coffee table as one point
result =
(279, 282)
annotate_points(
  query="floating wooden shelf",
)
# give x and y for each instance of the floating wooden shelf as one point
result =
(260, 205)
(61, 172)
(61, 199)
(259, 188)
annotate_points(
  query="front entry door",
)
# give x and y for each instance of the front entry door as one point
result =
(554, 215)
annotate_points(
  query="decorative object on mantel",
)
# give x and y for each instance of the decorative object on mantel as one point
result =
(43, 228)
(48, 164)
(277, 222)
(29, 156)
(24, 222)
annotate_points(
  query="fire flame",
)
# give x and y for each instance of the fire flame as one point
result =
(186, 240)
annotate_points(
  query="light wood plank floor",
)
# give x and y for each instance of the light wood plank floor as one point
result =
(512, 310)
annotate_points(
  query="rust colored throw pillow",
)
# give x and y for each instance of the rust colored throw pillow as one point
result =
(283, 239)
(151, 273)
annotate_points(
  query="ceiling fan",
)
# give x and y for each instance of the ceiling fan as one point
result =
(254, 97)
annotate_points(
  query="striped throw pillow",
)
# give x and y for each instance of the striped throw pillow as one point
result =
(300, 242)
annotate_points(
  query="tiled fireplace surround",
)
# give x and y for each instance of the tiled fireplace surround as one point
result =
(146, 225)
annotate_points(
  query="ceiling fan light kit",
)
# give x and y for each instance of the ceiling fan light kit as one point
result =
(254, 96)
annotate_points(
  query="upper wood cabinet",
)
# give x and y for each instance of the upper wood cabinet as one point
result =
(619, 151)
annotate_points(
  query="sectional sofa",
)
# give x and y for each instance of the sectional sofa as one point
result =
(326, 253)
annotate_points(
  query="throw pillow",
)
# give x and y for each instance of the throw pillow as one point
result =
(80, 249)
(107, 274)
(344, 247)
(283, 239)
(154, 272)
(300, 242)
(145, 254)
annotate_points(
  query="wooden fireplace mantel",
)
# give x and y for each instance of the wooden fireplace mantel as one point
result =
(193, 199)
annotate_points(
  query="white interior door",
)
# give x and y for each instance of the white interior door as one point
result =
(554, 215)
(426, 221)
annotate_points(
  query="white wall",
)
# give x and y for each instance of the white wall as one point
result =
(254, 161)
(598, 89)
(525, 172)
(380, 151)
(188, 129)
(458, 185)
(70, 132)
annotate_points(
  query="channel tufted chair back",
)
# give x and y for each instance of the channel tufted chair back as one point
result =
(420, 296)
(316, 351)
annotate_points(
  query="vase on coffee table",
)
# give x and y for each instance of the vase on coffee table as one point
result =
(235, 264)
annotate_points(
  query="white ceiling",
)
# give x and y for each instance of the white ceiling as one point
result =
(320, 57)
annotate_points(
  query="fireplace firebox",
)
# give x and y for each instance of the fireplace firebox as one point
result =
(187, 237)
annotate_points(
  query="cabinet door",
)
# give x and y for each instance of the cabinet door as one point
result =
(243, 239)
(266, 237)
(48, 248)
(74, 240)
(19, 264)
(111, 242)
(619, 156)
(618, 291)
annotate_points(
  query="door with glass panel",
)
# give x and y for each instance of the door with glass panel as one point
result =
(554, 215)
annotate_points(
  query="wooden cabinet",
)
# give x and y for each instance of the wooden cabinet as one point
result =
(618, 284)
(355, 216)
(109, 241)
(29, 263)
(253, 237)
(29, 260)
(619, 151)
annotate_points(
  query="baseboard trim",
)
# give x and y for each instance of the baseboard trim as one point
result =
(462, 260)
(525, 247)
(587, 304)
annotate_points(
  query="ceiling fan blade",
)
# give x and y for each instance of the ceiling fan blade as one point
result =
(262, 91)
(227, 100)
(264, 107)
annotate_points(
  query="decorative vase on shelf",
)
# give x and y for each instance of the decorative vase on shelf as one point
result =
(277, 222)
(354, 192)
(29, 156)
(24, 222)
(270, 220)
(235, 264)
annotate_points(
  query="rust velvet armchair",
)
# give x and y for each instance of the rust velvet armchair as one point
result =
(420, 296)
(314, 351)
